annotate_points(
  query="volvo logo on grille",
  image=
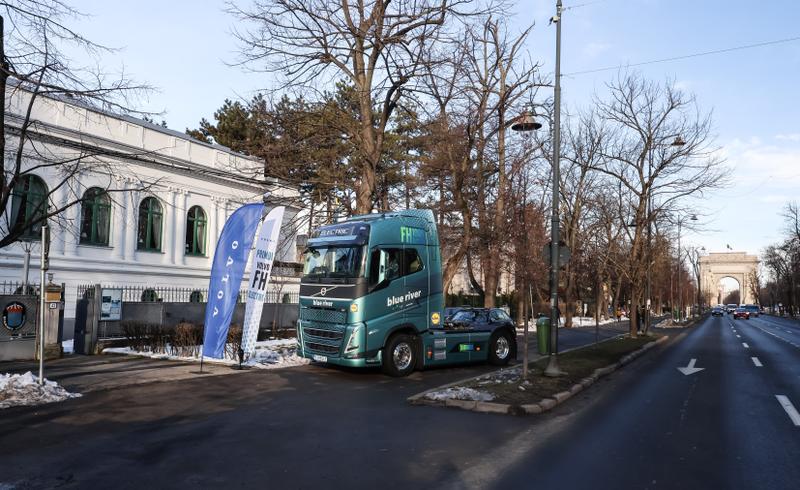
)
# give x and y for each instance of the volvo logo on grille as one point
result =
(322, 291)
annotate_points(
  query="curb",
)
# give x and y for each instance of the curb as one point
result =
(542, 405)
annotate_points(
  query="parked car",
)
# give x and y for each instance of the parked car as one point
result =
(754, 310)
(477, 319)
(731, 308)
(717, 311)
(741, 313)
(450, 311)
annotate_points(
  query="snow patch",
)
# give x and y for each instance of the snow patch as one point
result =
(577, 321)
(24, 389)
(269, 354)
(460, 393)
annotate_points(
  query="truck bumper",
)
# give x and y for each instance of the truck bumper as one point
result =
(342, 361)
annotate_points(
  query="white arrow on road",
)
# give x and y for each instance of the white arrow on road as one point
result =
(690, 369)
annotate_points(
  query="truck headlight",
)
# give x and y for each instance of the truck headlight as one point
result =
(354, 341)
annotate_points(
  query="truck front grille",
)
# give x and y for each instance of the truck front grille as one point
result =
(323, 315)
(323, 334)
(322, 348)
(322, 338)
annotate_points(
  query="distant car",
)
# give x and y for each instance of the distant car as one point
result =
(717, 311)
(731, 308)
(741, 313)
(754, 310)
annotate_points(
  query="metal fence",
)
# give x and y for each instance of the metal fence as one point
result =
(17, 287)
(167, 294)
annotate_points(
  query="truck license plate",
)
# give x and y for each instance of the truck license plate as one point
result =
(319, 358)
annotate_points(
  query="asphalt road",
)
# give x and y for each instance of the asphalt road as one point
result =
(291, 428)
(723, 427)
(647, 426)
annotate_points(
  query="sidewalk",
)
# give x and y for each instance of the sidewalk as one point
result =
(84, 374)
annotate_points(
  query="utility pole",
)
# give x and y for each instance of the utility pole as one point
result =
(44, 264)
(680, 289)
(552, 364)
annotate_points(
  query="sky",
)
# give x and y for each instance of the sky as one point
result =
(185, 49)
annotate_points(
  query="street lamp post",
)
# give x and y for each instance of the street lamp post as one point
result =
(552, 364)
(701, 297)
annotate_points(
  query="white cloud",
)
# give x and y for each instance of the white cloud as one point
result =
(593, 49)
(777, 165)
(788, 137)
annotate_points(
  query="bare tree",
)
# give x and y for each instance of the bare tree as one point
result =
(578, 188)
(376, 46)
(661, 151)
(34, 37)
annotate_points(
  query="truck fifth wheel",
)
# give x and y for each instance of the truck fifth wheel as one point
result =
(371, 295)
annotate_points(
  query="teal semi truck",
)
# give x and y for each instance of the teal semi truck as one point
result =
(371, 295)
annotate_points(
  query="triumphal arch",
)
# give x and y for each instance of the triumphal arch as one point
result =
(718, 265)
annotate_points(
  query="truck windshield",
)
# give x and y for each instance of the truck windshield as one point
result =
(343, 262)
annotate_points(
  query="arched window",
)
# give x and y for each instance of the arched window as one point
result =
(95, 217)
(196, 297)
(196, 231)
(149, 295)
(29, 206)
(149, 225)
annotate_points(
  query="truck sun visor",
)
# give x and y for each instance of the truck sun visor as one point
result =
(350, 233)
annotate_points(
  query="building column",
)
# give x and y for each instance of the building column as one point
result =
(58, 240)
(119, 223)
(72, 233)
(131, 224)
(180, 228)
(168, 233)
(214, 229)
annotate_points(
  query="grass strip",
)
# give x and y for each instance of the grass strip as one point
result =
(508, 387)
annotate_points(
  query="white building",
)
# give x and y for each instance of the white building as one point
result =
(153, 200)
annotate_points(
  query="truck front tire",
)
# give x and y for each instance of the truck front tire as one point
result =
(400, 355)
(501, 348)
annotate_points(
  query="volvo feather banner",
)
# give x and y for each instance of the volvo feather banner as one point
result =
(259, 277)
(230, 259)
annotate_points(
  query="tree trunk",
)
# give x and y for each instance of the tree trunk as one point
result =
(569, 297)
(490, 279)
(3, 78)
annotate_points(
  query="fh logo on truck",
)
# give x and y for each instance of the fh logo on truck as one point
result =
(409, 234)
(396, 300)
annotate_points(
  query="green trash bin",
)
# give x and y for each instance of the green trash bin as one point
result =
(543, 334)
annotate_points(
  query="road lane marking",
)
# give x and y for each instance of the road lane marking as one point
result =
(789, 408)
(757, 362)
(778, 337)
(738, 336)
(690, 369)
(745, 345)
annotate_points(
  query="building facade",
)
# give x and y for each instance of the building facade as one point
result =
(151, 202)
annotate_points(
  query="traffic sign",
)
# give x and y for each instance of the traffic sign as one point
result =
(564, 253)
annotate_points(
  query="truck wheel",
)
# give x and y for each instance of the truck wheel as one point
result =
(501, 348)
(399, 355)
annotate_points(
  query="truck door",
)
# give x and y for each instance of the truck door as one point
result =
(416, 284)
